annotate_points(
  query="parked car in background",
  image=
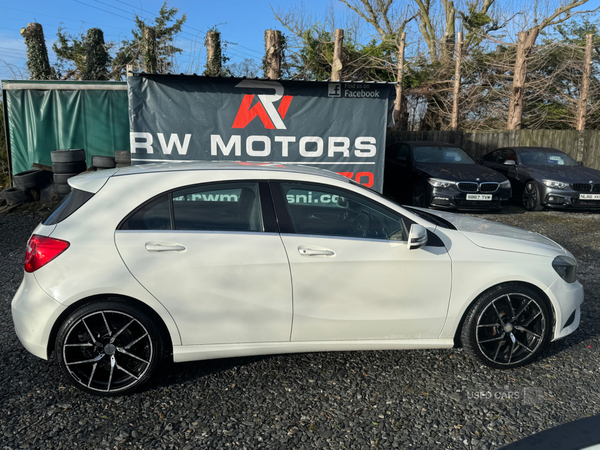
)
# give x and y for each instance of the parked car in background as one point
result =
(194, 261)
(546, 177)
(439, 175)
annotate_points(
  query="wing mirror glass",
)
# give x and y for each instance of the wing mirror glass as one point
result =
(417, 237)
(510, 162)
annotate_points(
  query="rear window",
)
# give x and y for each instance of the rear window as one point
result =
(71, 203)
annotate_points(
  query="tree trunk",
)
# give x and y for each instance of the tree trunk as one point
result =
(149, 51)
(400, 77)
(213, 54)
(336, 66)
(37, 53)
(448, 38)
(585, 85)
(96, 56)
(526, 41)
(273, 54)
(455, 91)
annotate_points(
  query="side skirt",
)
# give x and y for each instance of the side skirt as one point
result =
(183, 353)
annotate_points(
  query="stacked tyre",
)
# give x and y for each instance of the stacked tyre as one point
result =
(103, 162)
(66, 164)
(27, 186)
(123, 158)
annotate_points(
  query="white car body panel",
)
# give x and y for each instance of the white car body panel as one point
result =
(369, 289)
(225, 288)
(102, 261)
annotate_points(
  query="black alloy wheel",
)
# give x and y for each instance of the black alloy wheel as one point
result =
(108, 348)
(507, 327)
(531, 197)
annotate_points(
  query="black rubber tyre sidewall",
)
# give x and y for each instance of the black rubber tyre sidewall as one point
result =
(122, 156)
(68, 156)
(14, 196)
(61, 178)
(416, 186)
(30, 179)
(103, 162)
(468, 329)
(69, 167)
(113, 305)
(62, 188)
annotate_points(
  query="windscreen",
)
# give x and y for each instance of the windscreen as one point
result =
(540, 158)
(442, 155)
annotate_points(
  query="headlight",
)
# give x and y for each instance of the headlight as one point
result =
(555, 184)
(436, 182)
(565, 267)
(505, 184)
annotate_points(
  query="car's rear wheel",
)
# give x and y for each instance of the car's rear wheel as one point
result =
(531, 197)
(507, 327)
(108, 348)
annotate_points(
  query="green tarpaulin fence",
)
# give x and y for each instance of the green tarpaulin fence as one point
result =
(45, 116)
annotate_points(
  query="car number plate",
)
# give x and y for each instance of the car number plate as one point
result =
(479, 196)
(589, 196)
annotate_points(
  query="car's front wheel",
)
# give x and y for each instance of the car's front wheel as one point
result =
(531, 197)
(507, 326)
(108, 348)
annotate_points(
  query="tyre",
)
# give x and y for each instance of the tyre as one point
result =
(531, 197)
(108, 348)
(119, 165)
(507, 326)
(30, 179)
(69, 167)
(61, 178)
(62, 189)
(123, 156)
(103, 162)
(417, 194)
(67, 156)
(14, 196)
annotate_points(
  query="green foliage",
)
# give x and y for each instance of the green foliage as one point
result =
(97, 58)
(166, 27)
(37, 53)
(83, 56)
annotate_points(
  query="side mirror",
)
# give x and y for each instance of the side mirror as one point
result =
(417, 237)
(580, 163)
(510, 162)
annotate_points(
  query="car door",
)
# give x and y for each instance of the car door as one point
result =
(212, 256)
(353, 275)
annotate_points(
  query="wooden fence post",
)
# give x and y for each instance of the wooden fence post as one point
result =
(336, 66)
(456, 90)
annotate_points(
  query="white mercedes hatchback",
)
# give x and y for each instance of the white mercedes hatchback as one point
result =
(195, 261)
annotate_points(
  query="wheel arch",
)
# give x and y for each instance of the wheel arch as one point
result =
(540, 292)
(168, 342)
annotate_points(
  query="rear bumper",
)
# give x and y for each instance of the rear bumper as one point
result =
(34, 312)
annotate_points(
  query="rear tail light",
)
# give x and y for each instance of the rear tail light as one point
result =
(41, 250)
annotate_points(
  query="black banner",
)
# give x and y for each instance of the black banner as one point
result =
(332, 125)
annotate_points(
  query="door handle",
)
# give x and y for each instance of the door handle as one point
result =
(164, 247)
(305, 251)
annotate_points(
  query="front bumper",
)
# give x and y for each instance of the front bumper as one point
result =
(568, 198)
(566, 301)
(34, 313)
(453, 198)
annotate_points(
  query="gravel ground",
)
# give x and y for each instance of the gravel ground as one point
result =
(394, 399)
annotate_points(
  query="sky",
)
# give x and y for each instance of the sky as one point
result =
(242, 24)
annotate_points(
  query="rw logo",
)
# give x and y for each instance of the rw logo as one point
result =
(271, 117)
